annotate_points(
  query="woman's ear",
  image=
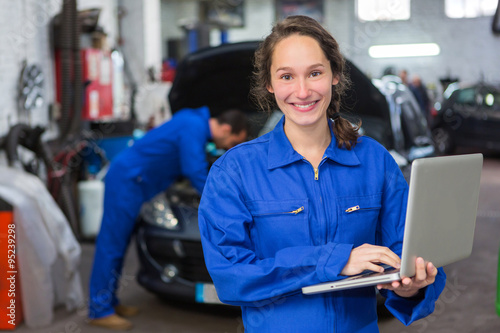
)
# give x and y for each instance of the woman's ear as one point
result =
(270, 89)
(335, 80)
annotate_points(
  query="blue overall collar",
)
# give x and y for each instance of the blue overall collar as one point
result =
(281, 152)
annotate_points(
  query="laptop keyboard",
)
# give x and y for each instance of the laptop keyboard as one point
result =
(388, 269)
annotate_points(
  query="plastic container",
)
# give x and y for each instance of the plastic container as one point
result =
(91, 194)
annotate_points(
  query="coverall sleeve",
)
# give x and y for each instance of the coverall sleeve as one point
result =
(391, 231)
(194, 164)
(239, 275)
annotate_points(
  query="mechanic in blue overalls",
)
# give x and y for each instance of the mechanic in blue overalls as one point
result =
(318, 202)
(136, 175)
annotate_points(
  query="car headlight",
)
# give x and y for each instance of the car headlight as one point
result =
(157, 212)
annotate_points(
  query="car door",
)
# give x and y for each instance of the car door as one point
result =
(467, 114)
(489, 127)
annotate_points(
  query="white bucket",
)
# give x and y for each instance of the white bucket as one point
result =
(91, 194)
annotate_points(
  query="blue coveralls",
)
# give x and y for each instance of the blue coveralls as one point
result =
(135, 176)
(270, 224)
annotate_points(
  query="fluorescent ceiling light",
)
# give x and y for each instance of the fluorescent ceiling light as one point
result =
(404, 50)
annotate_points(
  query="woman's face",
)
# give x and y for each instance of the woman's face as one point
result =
(301, 80)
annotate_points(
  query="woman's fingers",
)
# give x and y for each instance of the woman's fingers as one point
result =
(366, 257)
(425, 275)
(379, 255)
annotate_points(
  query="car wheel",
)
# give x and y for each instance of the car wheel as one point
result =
(443, 141)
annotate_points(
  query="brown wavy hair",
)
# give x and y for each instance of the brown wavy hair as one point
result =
(346, 134)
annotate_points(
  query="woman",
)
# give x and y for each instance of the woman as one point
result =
(277, 213)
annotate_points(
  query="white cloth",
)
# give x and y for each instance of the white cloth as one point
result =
(152, 103)
(47, 253)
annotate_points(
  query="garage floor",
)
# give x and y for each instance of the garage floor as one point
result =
(466, 305)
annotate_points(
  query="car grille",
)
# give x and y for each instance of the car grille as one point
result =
(188, 260)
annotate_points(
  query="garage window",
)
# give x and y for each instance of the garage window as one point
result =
(470, 8)
(383, 10)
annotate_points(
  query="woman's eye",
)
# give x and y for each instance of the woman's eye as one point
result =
(317, 73)
(286, 77)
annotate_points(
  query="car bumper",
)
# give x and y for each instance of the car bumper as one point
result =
(173, 267)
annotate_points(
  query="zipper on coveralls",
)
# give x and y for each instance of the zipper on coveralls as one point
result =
(355, 208)
(295, 212)
(328, 304)
(316, 170)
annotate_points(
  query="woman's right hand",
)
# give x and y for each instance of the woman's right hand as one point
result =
(367, 257)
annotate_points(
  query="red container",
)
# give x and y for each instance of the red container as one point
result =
(11, 311)
(97, 76)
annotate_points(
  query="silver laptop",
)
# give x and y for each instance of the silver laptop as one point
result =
(440, 219)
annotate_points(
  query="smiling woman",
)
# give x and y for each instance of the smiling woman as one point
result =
(274, 225)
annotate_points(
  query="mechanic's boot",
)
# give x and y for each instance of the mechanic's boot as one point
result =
(112, 322)
(126, 311)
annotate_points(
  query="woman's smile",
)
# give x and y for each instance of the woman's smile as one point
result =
(304, 107)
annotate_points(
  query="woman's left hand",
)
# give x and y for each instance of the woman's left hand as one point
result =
(408, 287)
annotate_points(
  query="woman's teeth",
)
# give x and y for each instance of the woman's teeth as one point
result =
(304, 106)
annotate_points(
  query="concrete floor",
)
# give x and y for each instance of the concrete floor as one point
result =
(466, 305)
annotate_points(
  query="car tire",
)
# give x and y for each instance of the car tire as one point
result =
(443, 141)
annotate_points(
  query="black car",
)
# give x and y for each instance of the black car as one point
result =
(468, 117)
(168, 239)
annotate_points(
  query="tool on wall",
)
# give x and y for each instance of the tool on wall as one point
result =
(30, 90)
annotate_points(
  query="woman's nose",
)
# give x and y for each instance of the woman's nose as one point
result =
(302, 89)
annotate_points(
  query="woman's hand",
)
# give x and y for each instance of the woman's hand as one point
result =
(408, 287)
(367, 257)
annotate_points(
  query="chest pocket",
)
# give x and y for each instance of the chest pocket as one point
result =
(278, 224)
(358, 218)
